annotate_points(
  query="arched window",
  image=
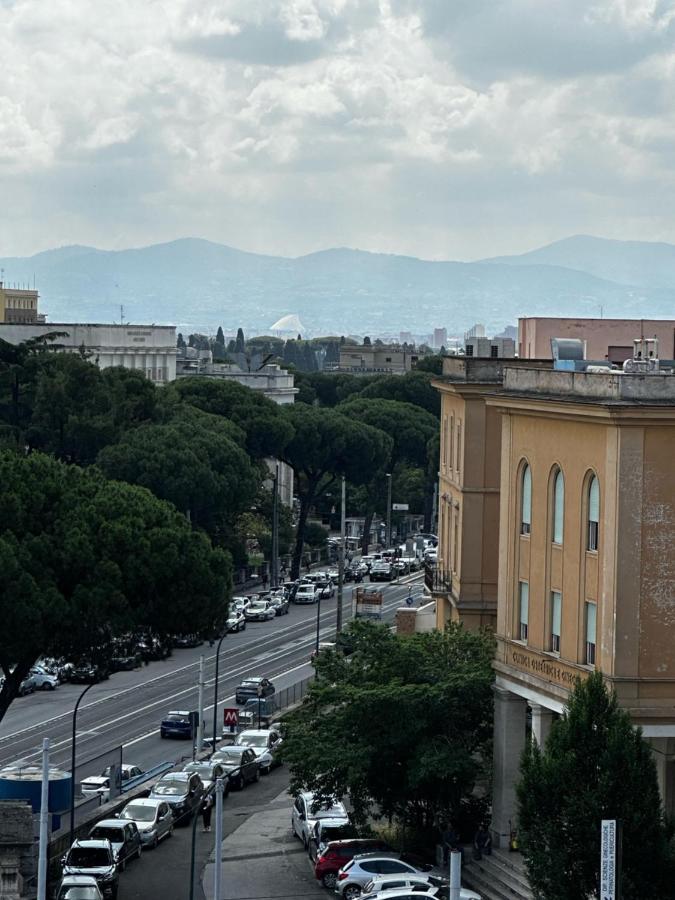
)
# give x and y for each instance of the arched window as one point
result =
(558, 506)
(593, 513)
(526, 500)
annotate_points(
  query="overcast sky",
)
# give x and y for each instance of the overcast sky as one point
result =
(448, 129)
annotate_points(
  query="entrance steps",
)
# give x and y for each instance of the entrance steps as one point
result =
(500, 876)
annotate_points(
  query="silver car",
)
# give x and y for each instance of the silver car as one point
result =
(360, 871)
(153, 818)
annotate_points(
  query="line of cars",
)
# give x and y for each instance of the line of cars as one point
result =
(91, 868)
(364, 868)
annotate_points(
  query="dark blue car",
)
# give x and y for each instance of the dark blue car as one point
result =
(178, 723)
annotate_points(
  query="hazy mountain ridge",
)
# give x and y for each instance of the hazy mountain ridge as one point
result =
(200, 284)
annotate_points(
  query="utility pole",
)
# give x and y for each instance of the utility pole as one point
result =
(44, 823)
(218, 849)
(274, 579)
(341, 557)
(388, 510)
(199, 743)
(455, 874)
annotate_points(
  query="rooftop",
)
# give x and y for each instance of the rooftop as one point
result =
(614, 387)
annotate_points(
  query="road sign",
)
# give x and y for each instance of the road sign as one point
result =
(400, 507)
(231, 717)
(368, 603)
(608, 860)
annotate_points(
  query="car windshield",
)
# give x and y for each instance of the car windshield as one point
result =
(175, 718)
(86, 892)
(103, 832)
(337, 833)
(169, 787)
(231, 753)
(253, 740)
(204, 772)
(259, 604)
(88, 857)
(95, 783)
(139, 813)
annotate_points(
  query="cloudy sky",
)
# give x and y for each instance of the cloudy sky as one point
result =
(442, 128)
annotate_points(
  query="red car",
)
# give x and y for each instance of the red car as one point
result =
(338, 853)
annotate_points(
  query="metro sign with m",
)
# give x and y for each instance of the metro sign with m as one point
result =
(230, 717)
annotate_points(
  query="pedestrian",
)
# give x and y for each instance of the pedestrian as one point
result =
(482, 842)
(450, 842)
(409, 598)
(264, 579)
(307, 564)
(206, 810)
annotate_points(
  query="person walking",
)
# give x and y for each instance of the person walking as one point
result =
(206, 810)
(409, 598)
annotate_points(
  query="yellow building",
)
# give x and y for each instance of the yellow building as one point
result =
(18, 305)
(586, 557)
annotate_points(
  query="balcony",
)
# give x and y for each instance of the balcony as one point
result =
(439, 581)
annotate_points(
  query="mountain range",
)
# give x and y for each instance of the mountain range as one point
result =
(199, 285)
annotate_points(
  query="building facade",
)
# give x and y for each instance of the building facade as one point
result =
(18, 305)
(610, 339)
(148, 348)
(367, 359)
(586, 558)
(490, 348)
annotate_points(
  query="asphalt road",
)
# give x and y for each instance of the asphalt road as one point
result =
(126, 710)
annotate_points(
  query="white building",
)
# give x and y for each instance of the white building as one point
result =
(149, 348)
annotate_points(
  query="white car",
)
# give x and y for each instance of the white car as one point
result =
(96, 784)
(416, 892)
(265, 743)
(306, 593)
(259, 611)
(306, 813)
(236, 621)
(153, 818)
(42, 680)
(396, 883)
(79, 887)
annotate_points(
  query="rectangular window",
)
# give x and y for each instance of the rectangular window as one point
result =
(556, 619)
(591, 614)
(592, 535)
(455, 551)
(469, 350)
(451, 437)
(524, 610)
(445, 442)
(458, 448)
(494, 351)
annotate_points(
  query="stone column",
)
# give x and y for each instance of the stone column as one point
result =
(542, 719)
(509, 743)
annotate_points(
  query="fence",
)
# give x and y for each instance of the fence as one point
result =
(438, 580)
(259, 573)
(293, 693)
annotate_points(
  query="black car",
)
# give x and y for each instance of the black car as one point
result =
(184, 641)
(180, 723)
(89, 673)
(280, 604)
(253, 687)
(240, 764)
(183, 792)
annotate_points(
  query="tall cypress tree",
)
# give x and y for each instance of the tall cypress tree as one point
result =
(595, 766)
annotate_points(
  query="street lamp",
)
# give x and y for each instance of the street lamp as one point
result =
(72, 764)
(215, 691)
(318, 618)
(388, 476)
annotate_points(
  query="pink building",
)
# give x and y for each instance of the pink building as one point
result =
(605, 338)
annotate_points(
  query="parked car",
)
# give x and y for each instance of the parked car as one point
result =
(413, 892)
(239, 603)
(27, 686)
(89, 673)
(177, 723)
(124, 838)
(96, 784)
(259, 611)
(255, 686)
(280, 604)
(307, 812)
(183, 792)
(208, 772)
(79, 887)
(356, 874)
(306, 593)
(95, 858)
(337, 853)
(411, 886)
(265, 744)
(421, 881)
(187, 641)
(236, 621)
(239, 764)
(125, 662)
(127, 771)
(255, 711)
(153, 818)
(42, 679)
(327, 831)
(326, 589)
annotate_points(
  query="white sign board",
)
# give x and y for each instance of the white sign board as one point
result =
(400, 507)
(608, 860)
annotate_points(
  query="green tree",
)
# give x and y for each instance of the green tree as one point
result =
(240, 342)
(18, 372)
(220, 337)
(403, 725)
(85, 559)
(324, 446)
(413, 387)
(432, 364)
(595, 766)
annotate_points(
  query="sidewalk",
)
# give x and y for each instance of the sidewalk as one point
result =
(261, 858)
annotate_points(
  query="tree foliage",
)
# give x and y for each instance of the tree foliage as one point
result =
(403, 725)
(413, 387)
(595, 766)
(85, 559)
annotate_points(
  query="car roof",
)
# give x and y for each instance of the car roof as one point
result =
(253, 679)
(265, 731)
(96, 843)
(97, 779)
(175, 776)
(145, 801)
(401, 892)
(412, 877)
(79, 880)
(178, 712)
(379, 854)
(110, 823)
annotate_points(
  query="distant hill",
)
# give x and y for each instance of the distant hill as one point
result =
(624, 262)
(197, 284)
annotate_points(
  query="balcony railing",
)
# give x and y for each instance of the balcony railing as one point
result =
(437, 580)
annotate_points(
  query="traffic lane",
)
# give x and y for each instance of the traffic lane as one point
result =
(287, 644)
(165, 872)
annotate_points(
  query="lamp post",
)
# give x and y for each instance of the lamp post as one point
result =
(388, 509)
(275, 530)
(215, 692)
(318, 618)
(72, 763)
(341, 559)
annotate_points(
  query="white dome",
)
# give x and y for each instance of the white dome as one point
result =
(288, 323)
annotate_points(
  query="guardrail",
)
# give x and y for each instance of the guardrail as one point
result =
(132, 783)
(438, 580)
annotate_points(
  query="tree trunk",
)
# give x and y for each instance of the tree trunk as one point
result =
(10, 689)
(365, 539)
(305, 505)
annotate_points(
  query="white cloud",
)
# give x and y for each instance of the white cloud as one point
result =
(421, 126)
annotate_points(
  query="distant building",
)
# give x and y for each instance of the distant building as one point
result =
(150, 349)
(490, 348)
(610, 339)
(18, 306)
(478, 331)
(440, 338)
(387, 359)
(405, 337)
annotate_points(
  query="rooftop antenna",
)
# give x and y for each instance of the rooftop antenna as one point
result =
(121, 314)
